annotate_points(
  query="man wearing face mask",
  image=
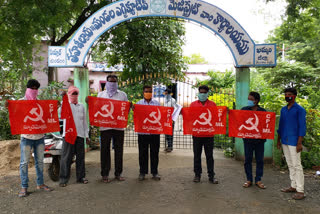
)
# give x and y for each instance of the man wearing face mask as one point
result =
(292, 129)
(69, 150)
(28, 142)
(145, 139)
(169, 101)
(117, 134)
(203, 141)
(254, 145)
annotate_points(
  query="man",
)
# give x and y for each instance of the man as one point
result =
(69, 150)
(117, 134)
(28, 142)
(169, 101)
(203, 141)
(254, 145)
(292, 129)
(144, 140)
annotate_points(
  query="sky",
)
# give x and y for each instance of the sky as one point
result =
(256, 17)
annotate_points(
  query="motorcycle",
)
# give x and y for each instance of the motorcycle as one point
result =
(52, 154)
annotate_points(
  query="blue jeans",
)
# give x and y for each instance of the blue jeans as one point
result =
(38, 149)
(258, 149)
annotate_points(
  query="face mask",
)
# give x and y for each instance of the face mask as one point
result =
(111, 88)
(73, 99)
(147, 95)
(31, 94)
(251, 103)
(203, 97)
(290, 98)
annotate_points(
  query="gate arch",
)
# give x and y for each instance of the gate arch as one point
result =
(243, 49)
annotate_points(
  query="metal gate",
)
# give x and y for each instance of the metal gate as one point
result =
(185, 92)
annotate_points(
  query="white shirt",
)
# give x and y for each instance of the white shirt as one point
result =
(151, 103)
(80, 120)
(119, 95)
(171, 102)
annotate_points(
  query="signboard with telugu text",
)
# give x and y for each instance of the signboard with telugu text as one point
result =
(244, 51)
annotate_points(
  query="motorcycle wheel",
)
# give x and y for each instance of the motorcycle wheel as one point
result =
(54, 169)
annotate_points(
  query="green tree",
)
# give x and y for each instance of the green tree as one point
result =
(195, 58)
(299, 32)
(219, 80)
(144, 46)
(24, 23)
(298, 75)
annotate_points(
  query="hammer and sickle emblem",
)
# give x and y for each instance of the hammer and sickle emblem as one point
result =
(105, 108)
(254, 126)
(38, 117)
(207, 121)
(156, 119)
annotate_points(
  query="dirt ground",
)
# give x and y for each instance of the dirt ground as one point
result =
(175, 193)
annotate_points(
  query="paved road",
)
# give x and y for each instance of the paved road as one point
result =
(175, 193)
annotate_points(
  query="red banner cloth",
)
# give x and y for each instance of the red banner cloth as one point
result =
(252, 124)
(153, 119)
(70, 131)
(108, 113)
(204, 121)
(33, 116)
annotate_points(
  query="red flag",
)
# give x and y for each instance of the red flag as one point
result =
(108, 113)
(69, 125)
(33, 116)
(153, 119)
(251, 124)
(204, 121)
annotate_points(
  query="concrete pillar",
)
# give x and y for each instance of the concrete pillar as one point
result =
(242, 91)
(81, 81)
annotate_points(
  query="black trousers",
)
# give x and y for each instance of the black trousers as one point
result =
(105, 157)
(68, 151)
(207, 143)
(144, 141)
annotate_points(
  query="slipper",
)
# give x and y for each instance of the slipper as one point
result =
(120, 178)
(260, 185)
(23, 193)
(247, 184)
(290, 189)
(105, 179)
(44, 188)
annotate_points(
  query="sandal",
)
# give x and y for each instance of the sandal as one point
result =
(23, 193)
(120, 178)
(84, 181)
(62, 185)
(247, 184)
(105, 179)
(196, 179)
(298, 196)
(44, 188)
(213, 180)
(260, 185)
(287, 190)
